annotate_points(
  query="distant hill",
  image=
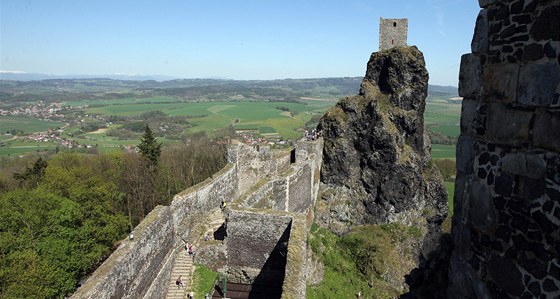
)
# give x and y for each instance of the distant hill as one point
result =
(23, 76)
(57, 89)
(438, 90)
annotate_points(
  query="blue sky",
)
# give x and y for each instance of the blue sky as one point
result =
(232, 39)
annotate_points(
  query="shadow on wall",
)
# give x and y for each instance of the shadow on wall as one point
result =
(268, 284)
(220, 233)
(430, 280)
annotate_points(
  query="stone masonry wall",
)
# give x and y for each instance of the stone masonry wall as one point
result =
(130, 270)
(141, 267)
(506, 226)
(294, 189)
(251, 238)
(392, 33)
(255, 162)
(299, 189)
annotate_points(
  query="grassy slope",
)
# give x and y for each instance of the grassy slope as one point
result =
(203, 278)
(363, 261)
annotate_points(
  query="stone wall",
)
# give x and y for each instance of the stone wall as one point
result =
(287, 186)
(130, 270)
(299, 189)
(507, 192)
(295, 280)
(141, 267)
(392, 33)
(256, 162)
(251, 238)
(203, 197)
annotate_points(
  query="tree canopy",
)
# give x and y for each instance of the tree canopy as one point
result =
(149, 147)
(73, 210)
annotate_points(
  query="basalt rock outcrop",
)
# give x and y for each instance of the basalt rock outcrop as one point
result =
(376, 156)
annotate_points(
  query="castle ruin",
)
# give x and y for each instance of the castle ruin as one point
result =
(392, 33)
(270, 196)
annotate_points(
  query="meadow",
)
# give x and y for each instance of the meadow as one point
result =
(119, 101)
(443, 151)
(443, 116)
(264, 117)
(26, 124)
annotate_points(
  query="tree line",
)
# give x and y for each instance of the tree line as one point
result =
(61, 216)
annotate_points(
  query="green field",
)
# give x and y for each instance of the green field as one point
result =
(441, 151)
(26, 124)
(246, 115)
(19, 146)
(106, 102)
(443, 117)
(7, 151)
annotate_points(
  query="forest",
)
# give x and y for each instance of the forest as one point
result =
(62, 214)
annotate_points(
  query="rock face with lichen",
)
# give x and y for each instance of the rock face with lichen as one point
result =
(376, 157)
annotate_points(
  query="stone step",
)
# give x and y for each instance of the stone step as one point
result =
(184, 263)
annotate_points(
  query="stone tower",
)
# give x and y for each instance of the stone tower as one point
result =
(392, 33)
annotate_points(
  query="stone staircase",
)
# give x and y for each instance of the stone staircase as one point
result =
(184, 267)
(184, 263)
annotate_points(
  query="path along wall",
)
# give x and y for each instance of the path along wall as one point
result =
(141, 267)
(507, 193)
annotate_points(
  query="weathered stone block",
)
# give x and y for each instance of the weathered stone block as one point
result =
(500, 82)
(479, 42)
(546, 131)
(469, 76)
(481, 208)
(506, 275)
(508, 31)
(527, 165)
(549, 50)
(486, 3)
(533, 52)
(550, 286)
(469, 111)
(503, 185)
(465, 154)
(537, 83)
(507, 126)
(516, 8)
(547, 25)
(502, 12)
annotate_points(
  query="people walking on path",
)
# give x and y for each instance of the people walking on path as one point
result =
(179, 282)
